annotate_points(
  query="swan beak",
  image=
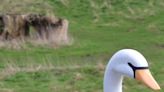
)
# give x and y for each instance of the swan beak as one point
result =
(145, 76)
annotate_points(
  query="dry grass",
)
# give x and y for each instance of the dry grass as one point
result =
(56, 37)
(6, 90)
(65, 2)
(130, 11)
(10, 68)
(25, 6)
(153, 28)
(54, 42)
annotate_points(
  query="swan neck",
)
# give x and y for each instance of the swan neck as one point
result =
(112, 81)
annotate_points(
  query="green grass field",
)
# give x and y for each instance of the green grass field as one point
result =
(98, 28)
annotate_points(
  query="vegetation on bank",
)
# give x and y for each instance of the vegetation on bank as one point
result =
(98, 29)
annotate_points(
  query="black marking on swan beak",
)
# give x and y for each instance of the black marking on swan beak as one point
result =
(134, 68)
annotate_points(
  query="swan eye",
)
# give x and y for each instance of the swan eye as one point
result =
(134, 68)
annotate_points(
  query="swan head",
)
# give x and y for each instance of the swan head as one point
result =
(131, 63)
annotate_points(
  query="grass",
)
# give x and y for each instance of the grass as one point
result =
(25, 6)
(99, 28)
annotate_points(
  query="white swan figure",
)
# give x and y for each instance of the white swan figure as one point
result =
(130, 63)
